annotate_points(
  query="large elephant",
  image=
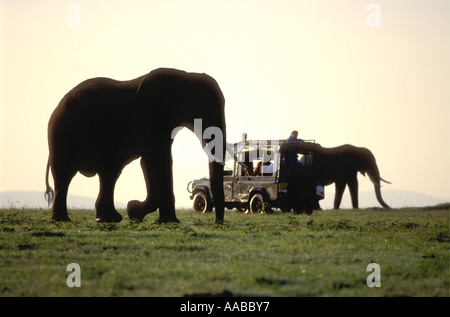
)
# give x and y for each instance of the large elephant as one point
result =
(102, 124)
(341, 164)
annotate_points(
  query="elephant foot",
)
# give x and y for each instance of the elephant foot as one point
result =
(61, 218)
(167, 214)
(168, 220)
(138, 210)
(114, 217)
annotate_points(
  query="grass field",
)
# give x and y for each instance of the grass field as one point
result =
(325, 254)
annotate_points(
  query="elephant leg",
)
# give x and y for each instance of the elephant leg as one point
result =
(340, 187)
(353, 187)
(59, 208)
(137, 209)
(166, 197)
(106, 212)
(316, 205)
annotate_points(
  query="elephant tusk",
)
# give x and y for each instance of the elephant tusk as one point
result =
(378, 185)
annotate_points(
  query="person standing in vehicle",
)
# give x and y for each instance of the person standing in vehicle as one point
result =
(294, 137)
(291, 154)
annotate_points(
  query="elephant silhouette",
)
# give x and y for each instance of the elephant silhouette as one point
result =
(101, 125)
(340, 165)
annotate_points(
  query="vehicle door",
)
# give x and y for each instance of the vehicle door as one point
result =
(229, 178)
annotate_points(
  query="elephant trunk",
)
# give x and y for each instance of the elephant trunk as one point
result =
(379, 198)
(216, 182)
(377, 186)
(215, 148)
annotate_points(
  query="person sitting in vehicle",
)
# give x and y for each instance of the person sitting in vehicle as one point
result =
(257, 170)
(262, 169)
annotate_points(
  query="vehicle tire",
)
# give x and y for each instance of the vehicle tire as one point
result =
(256, 204)
(201, 203)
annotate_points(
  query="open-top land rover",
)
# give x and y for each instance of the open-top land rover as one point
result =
(265, 174)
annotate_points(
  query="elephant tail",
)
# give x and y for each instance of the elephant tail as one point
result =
(49, 193)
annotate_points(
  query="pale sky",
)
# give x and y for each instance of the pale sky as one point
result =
(368, 73)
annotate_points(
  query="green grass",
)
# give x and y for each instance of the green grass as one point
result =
(325, 254)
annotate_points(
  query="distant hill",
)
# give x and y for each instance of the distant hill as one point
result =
(394, 198)
(33, 199)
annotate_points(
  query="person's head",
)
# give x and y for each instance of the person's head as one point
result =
(294, 134)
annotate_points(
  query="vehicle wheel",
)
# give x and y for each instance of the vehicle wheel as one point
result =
(256, 203)
(201, 203)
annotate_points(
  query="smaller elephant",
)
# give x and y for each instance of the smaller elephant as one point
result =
(340, 165)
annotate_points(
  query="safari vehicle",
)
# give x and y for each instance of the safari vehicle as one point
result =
(265, 174)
